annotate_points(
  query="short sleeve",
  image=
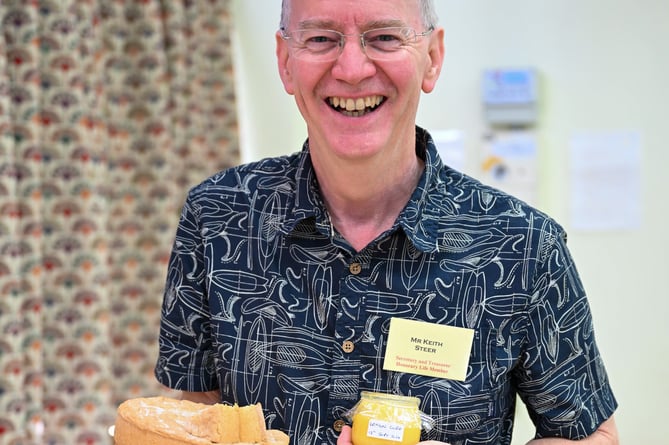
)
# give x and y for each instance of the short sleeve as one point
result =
(562, 378)
(186, 358)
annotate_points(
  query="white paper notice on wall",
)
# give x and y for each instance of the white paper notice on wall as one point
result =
(451, 148)
(605, 170)
(509, 162)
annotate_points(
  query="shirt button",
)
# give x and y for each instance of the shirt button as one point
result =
(338, 425)
(355, 268)
(348, 346)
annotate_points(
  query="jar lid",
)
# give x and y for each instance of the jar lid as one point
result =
(390, 398)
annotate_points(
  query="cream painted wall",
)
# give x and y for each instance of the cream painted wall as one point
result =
(604, 66)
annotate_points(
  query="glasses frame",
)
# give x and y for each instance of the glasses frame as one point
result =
(288, 36)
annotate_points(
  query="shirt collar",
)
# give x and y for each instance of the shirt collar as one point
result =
(422, 231)
(419, 219)
(307, 201)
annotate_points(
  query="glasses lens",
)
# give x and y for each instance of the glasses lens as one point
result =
(385, 40)
(386, 43)
(324, 45)
(318, 44)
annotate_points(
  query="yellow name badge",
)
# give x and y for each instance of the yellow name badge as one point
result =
(418, 347)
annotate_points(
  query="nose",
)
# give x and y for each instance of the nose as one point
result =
(353, 65)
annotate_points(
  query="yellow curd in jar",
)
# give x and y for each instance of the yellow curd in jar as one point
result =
(386, 419)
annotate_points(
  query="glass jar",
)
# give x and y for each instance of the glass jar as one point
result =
(386, 419)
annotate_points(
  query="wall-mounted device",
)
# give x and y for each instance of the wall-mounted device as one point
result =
(510, 96)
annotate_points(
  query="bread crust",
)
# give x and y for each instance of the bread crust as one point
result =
(167, 421)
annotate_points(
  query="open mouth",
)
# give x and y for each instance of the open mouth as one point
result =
(355, 107)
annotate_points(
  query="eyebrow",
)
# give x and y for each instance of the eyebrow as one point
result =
(331, 24)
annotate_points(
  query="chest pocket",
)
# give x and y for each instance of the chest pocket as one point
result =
(469, 409)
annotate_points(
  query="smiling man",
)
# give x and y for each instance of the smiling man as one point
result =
(291, 278)
(357, 76)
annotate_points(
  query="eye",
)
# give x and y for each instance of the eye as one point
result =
(386, 39)
(319, 40)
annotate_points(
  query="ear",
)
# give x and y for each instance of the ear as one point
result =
(435, 60)
(283, 61)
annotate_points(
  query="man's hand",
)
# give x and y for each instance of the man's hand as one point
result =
(345, 438)
(208, 398)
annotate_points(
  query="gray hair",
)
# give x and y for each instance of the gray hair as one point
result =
(428, 13)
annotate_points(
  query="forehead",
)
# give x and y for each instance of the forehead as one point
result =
(354, 13)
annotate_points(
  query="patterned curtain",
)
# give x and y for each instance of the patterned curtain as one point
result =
(109, 111)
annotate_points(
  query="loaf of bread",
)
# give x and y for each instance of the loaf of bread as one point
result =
(166, 421)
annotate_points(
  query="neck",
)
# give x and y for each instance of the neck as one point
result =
(365, 198)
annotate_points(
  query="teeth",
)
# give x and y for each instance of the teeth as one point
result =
(359, 104)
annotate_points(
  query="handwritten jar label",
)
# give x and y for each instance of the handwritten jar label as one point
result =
(385, 430)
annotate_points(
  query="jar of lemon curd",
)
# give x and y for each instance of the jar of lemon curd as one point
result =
(387, 419)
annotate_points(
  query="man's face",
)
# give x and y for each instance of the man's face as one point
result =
(388, 89)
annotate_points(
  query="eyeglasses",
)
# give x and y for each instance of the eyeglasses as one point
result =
(325, 45)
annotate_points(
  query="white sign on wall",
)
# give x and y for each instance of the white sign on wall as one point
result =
(605, 172)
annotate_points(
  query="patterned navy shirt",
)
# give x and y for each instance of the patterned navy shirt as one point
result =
(266, 302)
